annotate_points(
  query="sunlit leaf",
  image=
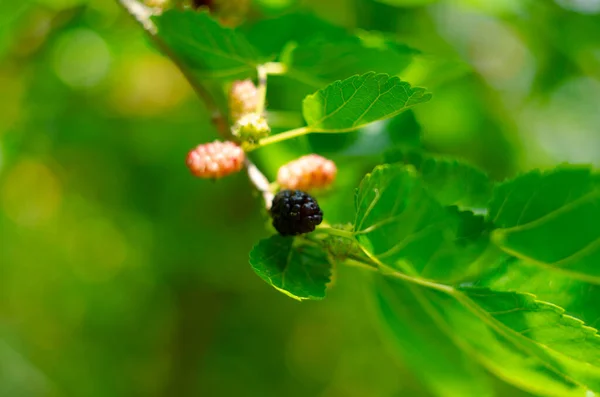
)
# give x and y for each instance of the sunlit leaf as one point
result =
(359, 100)
(444, 368)
(551, 219)
(542, 322)
(527, 343)
(297, 269)
(580, 298)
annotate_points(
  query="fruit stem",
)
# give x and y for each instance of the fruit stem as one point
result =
(360, 264)
(261, 71)
(260, 182)
(411, 278)
(282, 137)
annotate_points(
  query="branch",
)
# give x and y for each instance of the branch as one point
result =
(142, 14)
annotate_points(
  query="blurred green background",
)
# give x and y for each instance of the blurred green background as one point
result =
(122, 275)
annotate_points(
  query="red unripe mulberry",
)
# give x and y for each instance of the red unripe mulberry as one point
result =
(307, 173)
(215, 159)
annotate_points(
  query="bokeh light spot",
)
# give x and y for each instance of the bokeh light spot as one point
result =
(148, 85)
(96, 249)
(31, 193)
(81, 58)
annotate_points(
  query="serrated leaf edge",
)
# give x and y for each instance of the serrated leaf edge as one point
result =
(417, 93)
(282, 290)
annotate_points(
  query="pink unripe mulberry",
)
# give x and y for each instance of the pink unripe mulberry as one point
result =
(243, 99)
(215, 159)
(307, 173)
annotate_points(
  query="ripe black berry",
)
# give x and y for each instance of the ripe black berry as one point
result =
(295, 212)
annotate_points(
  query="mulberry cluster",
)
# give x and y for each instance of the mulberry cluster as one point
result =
(295, 212)
(307, 173)
(215, 159)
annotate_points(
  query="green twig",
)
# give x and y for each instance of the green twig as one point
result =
(260, 182)
(282, 137)
(360, 264)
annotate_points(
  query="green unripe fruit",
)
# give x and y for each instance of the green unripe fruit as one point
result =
(251, 128)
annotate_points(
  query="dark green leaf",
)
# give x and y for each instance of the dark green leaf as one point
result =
(359, 100)
(371, 141)
(299, 28)
(291, 265)
(322, 62)
(206, 46)
(551, 219)
(451, 181)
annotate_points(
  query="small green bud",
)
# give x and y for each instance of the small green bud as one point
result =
(251, 128)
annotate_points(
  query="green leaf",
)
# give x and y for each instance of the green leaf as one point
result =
(293, 266)
(371, 141)
(206, 46)
(543, 322)
(579, 298)
(421, 344)
(400, 224)
(551, 219)
(299, 28)
(359, 100)
(319, 53)
(451, 181)
(321, 62)
(527, 343)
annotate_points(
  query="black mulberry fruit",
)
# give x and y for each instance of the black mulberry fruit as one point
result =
(295, 212)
